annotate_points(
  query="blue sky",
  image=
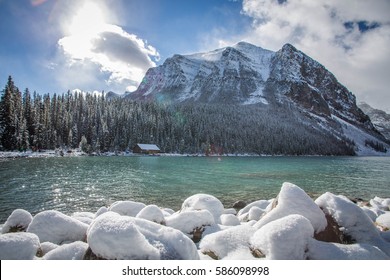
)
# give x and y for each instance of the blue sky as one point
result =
(55, 45)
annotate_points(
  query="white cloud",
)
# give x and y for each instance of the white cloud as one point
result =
(350, 38)
(95, 49)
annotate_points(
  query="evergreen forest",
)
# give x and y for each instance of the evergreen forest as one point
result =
(95, 124)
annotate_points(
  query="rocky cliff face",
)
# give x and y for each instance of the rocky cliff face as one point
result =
(245, 74)
(379, 118)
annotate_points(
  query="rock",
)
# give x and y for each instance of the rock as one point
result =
(318, 250)
(220, 244)
(384, 220)
(85, 217)
(204, 202)
(127, 208)
(239, 204)
(229, 220)
(230, 211)
(293, 200)
(116, 237)
(112, 236)
(46, 247)
(192, 223)
(56, 227)
(354, 222)
(101, 210)
(262, 204)
(152, 213)
(284, 238)
(332, 232)
(72, 251)
(18, 246)
(255, 213)
(17, 221)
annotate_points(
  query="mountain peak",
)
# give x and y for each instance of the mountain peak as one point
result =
(289, 47)
(244, 74)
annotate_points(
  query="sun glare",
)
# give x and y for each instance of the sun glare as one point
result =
(85, 25)
(88, 21)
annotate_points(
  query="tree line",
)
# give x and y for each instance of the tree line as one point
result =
(95, 123)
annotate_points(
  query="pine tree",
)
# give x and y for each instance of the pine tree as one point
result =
(8, 116)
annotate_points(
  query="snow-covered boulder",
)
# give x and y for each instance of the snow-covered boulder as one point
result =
(284, 238)
(192, 223)
(72, 251)
(262, 204)
(112, 236)
(46, 247)
(230, 211)
(384, 220)
(100, 211)
(370, 212)
(152, 213)
(17, 221)
(353, 221)
(85, 217)
(229, 220)
(18, 246)
(385, 235)
(127, 208)
(380, 203)
(56, 227)
(255, 213)
(293, 200)
(204, 202)
(168, 211)
(223, 243)
(318, 250)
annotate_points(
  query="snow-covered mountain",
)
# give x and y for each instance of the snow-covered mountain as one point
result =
(245, 75)
(379, 118)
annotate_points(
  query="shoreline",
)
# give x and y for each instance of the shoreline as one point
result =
(78, 153)
(291, 226)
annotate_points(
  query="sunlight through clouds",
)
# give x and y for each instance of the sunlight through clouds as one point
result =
(122, 56)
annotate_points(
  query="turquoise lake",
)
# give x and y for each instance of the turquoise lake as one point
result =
(73, 184)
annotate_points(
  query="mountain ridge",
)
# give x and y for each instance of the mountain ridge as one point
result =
(245, 74)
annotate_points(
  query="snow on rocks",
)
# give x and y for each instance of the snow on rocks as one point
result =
(56, 227)
(293, 200)
(152, 213)
(243, 214)
(112, 236)
(17, 221)
(291, 226)
(192, 223)
(127, 208)
(284, 238)
(318, 250)
(18, 246)
(204, 202)
(352, 220)
(229, 220)
(380, 203)
(384, 220)
(72, 251)
(220, 244)
(85, 217)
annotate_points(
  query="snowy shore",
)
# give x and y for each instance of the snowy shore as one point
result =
(291, 226)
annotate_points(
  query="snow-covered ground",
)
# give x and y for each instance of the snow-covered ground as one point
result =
(291, 226)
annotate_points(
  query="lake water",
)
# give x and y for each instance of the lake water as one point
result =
(72, 184)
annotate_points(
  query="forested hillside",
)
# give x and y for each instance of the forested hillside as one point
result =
(96, 124)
